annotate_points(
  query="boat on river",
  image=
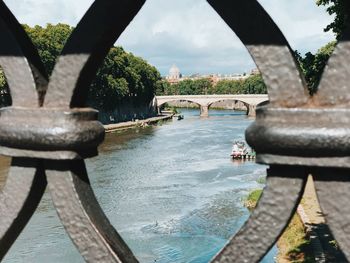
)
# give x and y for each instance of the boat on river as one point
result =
(241, 151)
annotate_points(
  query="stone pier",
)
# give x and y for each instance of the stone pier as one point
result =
(251, 112)
(204, 110)
(204, 101)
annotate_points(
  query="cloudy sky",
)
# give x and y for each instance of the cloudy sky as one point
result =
(189, 33)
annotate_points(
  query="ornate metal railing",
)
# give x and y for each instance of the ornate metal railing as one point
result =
(48, 133)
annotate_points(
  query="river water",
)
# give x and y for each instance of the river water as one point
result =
(171, 191)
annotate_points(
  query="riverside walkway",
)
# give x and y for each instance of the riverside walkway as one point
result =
(130, 124)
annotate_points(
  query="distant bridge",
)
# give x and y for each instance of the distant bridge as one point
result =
(205, 101)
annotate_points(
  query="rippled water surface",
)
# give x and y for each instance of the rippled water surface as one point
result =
(171, 190)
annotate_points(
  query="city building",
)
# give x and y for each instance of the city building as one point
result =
(175, 76)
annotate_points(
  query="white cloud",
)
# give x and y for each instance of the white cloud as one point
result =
(189, 32)
(301, 21)
(41, 12)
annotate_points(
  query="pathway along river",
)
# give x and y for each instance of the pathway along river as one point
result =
(171, 190)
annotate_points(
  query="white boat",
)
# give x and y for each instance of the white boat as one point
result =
(239, 150)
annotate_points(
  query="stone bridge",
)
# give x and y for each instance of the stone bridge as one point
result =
(205, 101)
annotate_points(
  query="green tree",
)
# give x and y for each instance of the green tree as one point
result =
(228, 87)
(162, 87)
(339, 8)
(5, 98)
(49, 41)
(251, 85)
(190, 87)
(203, 86)
(254, 85)
(122, 78)
(313, 65)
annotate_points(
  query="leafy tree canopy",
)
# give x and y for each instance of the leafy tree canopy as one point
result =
(313, 65)
(252, 85)
(339, 9)
(5, 98)
(122, 77)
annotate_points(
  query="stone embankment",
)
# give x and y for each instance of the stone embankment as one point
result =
(137, 123)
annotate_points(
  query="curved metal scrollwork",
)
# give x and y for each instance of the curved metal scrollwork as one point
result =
(294, 133)
(57, 135)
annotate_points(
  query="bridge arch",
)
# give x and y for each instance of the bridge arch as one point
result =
(235, 101)
(161, 104)
(204, 101)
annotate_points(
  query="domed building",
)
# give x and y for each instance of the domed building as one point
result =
(174, 74)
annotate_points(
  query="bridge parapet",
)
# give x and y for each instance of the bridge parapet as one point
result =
(205, 101)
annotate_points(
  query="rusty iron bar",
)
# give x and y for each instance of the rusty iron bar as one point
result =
(295, 130)
(58, 134)
(295, 134)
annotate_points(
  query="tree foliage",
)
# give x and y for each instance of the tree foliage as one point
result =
(313, 65)
(251, 85)
(5, 98)
(339, 8)
(49, 41)
(122, 77)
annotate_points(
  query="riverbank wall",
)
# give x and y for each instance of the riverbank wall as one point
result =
(126, 112)
(136, 123)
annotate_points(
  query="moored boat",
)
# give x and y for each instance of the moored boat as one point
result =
(241, 151)
(180, 117)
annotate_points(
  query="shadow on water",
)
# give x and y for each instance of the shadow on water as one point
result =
(118, 140)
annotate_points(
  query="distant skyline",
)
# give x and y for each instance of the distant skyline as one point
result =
(189, 33)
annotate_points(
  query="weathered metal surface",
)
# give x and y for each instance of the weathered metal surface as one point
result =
(16, 52)
(60, 134)
(291, 136)
(293, 133)
(269, 218)
(334, 88)
(12, 61)
(85, 50)
(19, 198)
(81, 215)
(332, 186)
(37, 130)
(295, 129)
(269, 49)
